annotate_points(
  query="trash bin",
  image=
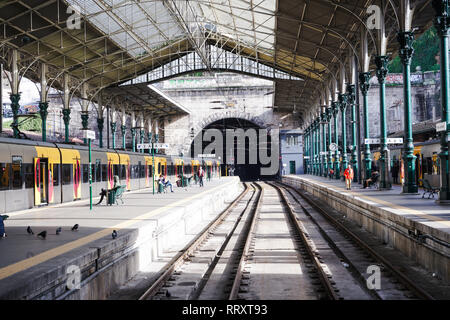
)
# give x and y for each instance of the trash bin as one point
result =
(111, 196)
(160, 188)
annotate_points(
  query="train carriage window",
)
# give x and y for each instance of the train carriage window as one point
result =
(4, 176)
(98, 170)
(123, 170)
(159, 169)
(116, 169)
(104, 172)
(55, 174)
(17, 174)
(85, 173)
(66, 174)
(141, 171)
(28, 175)
(150, 170)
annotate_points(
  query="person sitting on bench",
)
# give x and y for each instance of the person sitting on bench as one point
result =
(103, 193)
(373, 178)
(165, 183)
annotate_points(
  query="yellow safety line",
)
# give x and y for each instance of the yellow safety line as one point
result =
(52, 253)
(386, 203)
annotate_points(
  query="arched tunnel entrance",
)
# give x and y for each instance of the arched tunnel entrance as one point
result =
(242, 147)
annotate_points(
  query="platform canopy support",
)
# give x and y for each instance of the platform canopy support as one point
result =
(364, 86)
(406, 38)
(43, 104)
(442, 24)
(123, 128)
(381, 62)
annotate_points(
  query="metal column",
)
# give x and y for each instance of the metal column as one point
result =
(381, 71)
(442, 23)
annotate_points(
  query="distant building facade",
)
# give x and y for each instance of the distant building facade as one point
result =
(291, 151)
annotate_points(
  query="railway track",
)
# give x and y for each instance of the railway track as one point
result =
(272, 242)
(356, 254)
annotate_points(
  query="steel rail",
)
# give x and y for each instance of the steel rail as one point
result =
(419, 292)
(297, 224)
(244, 256)
(189, 249)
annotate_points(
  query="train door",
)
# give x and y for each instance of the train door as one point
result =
(128, 174)
(41, 175)
(76, 179)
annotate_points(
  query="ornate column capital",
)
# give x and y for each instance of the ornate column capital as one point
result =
(43, 106)
(85, 119)
(335, 108)
(123, 128)
(406, 40)
(351, 93)
(364, 85)
(100, 122)
(113, 126)
(328, 113)
(66, 115)
(343, 99)
(442, 19)
(381, 62)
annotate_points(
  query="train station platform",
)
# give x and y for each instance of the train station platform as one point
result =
(148, 226)
(418, 227)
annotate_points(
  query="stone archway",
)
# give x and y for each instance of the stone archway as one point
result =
(211, 118)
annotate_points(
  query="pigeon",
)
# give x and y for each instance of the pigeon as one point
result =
(58, 230)
(43, 234)
(29, 230)
(75, 227)
(114, 234)
(168, 294)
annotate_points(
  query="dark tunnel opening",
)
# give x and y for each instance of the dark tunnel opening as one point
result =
(230, 164)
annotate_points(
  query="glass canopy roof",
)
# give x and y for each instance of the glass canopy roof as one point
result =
(144, 26)
(140, 27)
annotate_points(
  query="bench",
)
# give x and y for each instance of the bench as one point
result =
(115, 194)
(427, 188)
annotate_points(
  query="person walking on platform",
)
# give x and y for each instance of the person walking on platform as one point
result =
(348, 174)
(395, 171)
(200, 176)
(2, 226)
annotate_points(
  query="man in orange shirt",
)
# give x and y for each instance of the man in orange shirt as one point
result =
(348, 174)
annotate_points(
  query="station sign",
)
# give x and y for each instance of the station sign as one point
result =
(441, 126)
(89, 134)
(323, 153)
(160, 146)
(395, 140)
(305, 157)
(389, 141)
(141, 146)
(206, 155)
(372, 141)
